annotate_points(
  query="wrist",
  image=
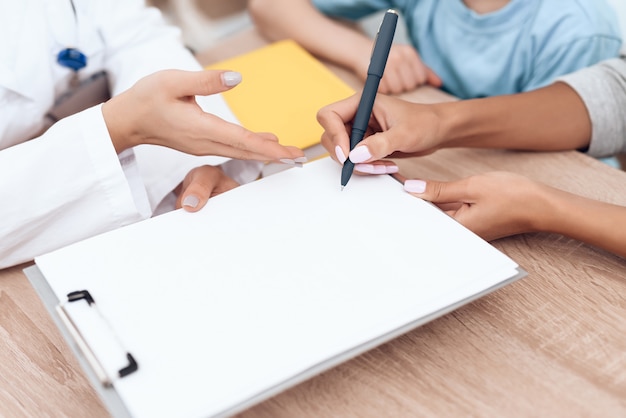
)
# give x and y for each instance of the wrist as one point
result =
(453, 124)
(555, 211)
(544, 209)
(118, 123)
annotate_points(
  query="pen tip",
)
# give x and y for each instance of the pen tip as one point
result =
(342, 188)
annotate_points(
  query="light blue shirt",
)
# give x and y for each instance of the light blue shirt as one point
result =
(523, 46)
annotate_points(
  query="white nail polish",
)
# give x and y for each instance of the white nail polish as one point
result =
(231, 78)
(191, 201)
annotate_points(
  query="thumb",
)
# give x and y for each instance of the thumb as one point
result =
(194, 196)
(206, 82)
(199, 185)
(374, 147)
(439, 192)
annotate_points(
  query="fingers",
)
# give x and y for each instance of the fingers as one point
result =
(202, 183)
(377, 167)
(201, 83)
(161, 109)
(439, 192)
(335, 119)
(451, 197)
(396, 126)
(432, 78)
(405, 71)
(414, 187)
(234, 141)
(401, 70)
(374, 147)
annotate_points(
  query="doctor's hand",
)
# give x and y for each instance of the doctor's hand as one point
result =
(161, 109)
(200, 185)
(493, 205)
(397, 129)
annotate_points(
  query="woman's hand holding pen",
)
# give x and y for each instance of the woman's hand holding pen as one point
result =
(396, 129)
(161, 109)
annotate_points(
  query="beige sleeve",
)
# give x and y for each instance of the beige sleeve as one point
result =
(602, 88)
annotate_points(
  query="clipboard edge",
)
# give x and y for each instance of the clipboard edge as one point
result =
(363, 348)
(116, 407)
(108, 395)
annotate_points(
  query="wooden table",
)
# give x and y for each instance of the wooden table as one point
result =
(552, 344)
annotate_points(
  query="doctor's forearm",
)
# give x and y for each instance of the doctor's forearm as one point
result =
(549, 119)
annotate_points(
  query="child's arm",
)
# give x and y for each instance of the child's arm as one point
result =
(338, 43)
(301, 21)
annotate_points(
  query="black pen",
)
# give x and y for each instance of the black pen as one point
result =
(382, 45)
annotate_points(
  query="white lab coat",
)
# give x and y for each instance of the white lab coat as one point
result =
(69, 184)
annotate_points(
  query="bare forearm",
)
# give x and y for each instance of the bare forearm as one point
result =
(548, 119)
(301, 21)
(597, 223)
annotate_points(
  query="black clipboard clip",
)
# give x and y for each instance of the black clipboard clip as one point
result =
(101, 372)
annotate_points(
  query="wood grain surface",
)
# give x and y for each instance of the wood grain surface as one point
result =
(551, 344)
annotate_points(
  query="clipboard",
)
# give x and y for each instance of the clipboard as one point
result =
(245, 331)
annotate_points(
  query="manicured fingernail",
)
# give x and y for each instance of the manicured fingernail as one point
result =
(376, 168)
(301, 160)
(415, 186)
(360, 154)
(287, 161)
(370, 168)
(341, 157)
(231, 78)
(364, 168)
(191, 201)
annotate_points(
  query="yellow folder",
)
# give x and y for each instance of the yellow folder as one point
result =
(282, 89)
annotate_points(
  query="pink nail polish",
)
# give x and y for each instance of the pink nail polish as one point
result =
(360, 154)
(380, 169)
(376, 169)
(364, 168)
(341, 157)
(415, 186)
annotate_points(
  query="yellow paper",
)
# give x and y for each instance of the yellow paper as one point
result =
(283, 87)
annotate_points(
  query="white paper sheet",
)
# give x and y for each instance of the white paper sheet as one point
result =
(270, 280)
